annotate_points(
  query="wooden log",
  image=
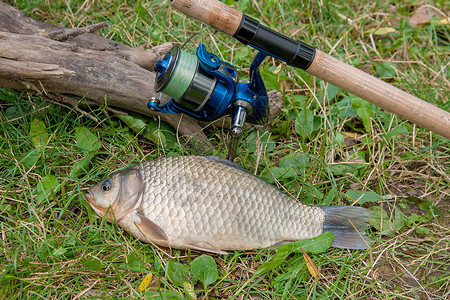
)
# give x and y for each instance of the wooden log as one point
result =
(70, 63)
(64, 63)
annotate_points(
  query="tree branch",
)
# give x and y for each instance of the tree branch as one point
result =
(72, 62)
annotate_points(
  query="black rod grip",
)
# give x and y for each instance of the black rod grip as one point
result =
(294, 53)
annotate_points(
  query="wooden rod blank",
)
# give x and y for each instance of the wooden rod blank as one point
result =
(214, 13)
(380, 93)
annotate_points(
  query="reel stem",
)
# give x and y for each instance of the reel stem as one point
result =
(241, 109)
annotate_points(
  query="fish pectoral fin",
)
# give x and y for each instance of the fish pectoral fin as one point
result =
(149, 229)
(203, 249)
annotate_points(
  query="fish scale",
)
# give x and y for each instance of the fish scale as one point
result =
(210, 204)
(215, 202)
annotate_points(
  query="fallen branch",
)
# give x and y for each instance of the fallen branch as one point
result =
(65, 63)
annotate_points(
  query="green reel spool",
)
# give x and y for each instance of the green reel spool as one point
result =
(180, 76)
(183, 71)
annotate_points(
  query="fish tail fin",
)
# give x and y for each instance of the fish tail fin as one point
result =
(347, 223)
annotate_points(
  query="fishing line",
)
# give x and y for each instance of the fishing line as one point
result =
(189, 39)
(182, 76)
(183, 73)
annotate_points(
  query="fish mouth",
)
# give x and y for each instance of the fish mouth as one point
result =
(90, 198)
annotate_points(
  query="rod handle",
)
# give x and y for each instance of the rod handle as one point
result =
(380, 93)
(214, 13)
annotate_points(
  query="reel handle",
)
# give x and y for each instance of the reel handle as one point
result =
(317, 63)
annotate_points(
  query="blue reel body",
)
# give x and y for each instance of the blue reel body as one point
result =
(206, 88)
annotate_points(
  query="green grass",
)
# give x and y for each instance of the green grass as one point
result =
(54, 246)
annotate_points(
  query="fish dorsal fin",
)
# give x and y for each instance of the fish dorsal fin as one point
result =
(226, 162)
(149, 229)
(203, 249)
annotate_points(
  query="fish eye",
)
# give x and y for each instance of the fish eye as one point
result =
(106, 186)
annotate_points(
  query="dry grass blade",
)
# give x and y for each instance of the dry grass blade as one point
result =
(313, 270)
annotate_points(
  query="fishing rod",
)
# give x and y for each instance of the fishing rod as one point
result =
(206, 88)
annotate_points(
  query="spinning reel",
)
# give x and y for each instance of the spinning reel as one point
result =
(206, 88)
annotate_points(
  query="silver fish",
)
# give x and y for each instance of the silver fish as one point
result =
(210, 204)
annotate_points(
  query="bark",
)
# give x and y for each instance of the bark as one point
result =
(67, 64)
